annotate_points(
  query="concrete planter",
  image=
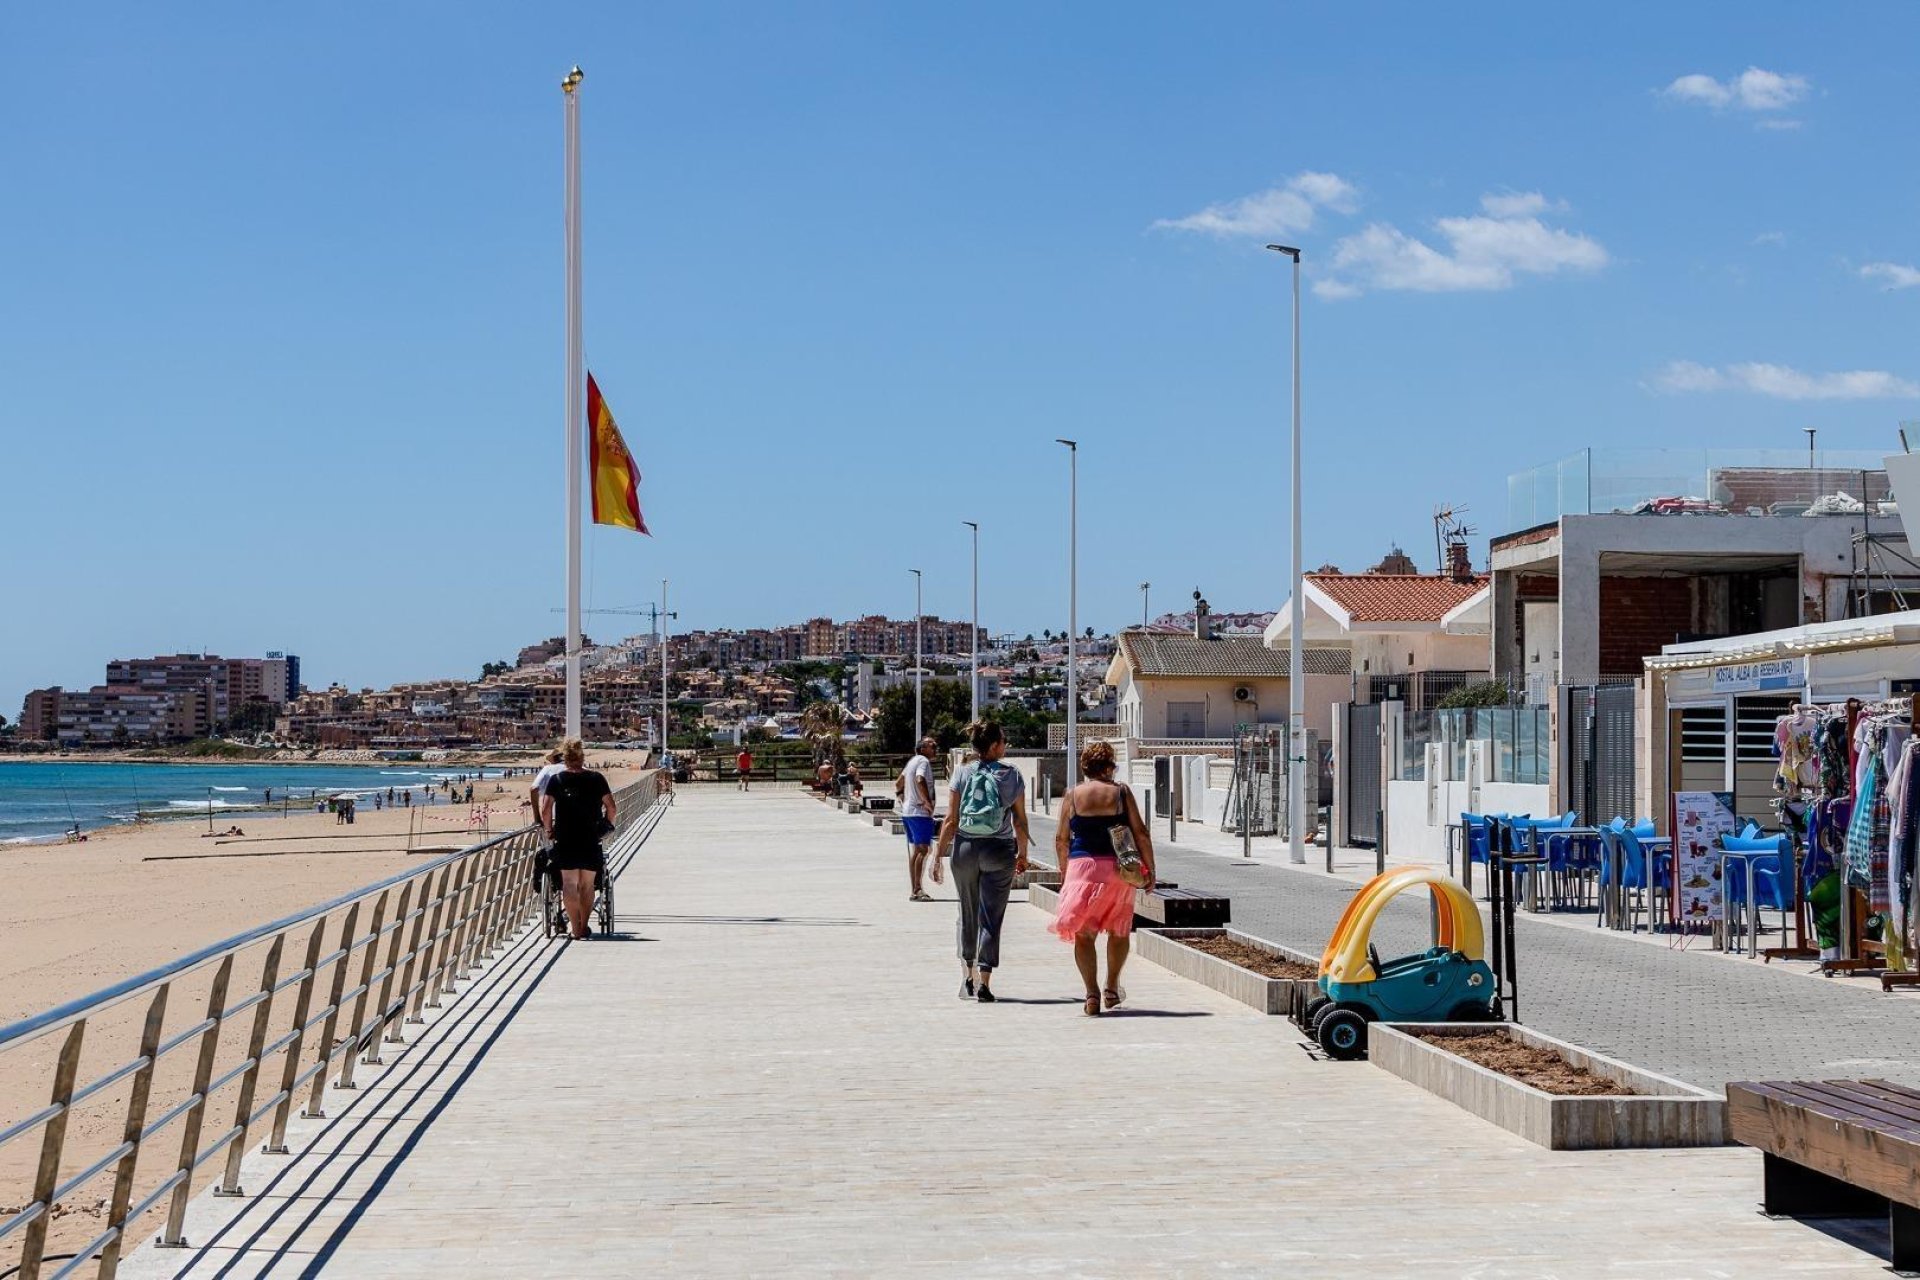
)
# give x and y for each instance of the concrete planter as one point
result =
(1037, 875)
(1268, 995)
(1044, 896)
(1662, 1113)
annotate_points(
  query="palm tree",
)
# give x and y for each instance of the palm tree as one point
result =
(825, 723)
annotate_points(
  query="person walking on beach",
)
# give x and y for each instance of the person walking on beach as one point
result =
(916, 815)
(576, 808)
(986, 827)
(1094, 899)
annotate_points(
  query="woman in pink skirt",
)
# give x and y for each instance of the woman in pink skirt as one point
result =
(1093, 897)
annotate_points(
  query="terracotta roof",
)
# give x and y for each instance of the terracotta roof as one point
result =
(1152, 654)
(1397, 597)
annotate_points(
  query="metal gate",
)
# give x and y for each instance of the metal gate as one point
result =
(1257, 795)
(1360, 745)
(1598, 736)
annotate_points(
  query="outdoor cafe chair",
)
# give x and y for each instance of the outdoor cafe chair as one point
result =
(1770, 874)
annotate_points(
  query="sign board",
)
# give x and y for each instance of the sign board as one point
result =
(1700, 818)
(1756, 677)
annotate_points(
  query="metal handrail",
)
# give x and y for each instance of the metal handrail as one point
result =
(468, 904)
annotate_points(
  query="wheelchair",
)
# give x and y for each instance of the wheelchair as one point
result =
(553, 910)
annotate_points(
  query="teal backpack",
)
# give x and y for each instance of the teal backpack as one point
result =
(980, 808)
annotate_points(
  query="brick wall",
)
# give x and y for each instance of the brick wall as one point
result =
(1638, 616)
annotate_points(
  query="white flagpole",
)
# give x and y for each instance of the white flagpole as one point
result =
(576, 396)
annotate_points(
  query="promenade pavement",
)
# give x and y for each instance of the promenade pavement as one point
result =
(771, 1075)
(1681, 1010)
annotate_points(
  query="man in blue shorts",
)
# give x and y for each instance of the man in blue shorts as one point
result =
(916, 809)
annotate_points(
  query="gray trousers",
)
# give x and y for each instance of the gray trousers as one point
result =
(982, 877)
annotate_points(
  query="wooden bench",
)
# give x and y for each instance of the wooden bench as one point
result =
(1171, 907)
(1836, 1149)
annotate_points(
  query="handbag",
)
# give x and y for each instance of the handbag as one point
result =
(1126, 854)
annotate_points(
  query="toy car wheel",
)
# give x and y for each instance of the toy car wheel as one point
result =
(1319, 1016)
(1342, 1034)
(1312, 1009)
(1471, 1011)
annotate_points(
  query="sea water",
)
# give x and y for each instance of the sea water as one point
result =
(41, 799)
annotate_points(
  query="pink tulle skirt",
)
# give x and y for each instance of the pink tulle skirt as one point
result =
(1093, 899)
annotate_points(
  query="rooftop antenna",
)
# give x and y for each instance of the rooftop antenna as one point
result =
(1449, 531)
(1811, 433)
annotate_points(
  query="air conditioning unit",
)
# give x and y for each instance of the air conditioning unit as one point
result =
(1243, 693)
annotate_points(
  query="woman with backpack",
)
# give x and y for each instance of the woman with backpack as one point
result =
(986, 827)
(1098, 822)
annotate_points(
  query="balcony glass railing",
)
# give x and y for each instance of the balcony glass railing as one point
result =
(1699, 482)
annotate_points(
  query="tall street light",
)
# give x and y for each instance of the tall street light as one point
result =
(664, 723)
(1144, 588)
(1073, 606)
(1296, 681)
(918, 649)
(974, 716)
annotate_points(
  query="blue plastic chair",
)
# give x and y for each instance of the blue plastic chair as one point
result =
(1633, 866)
(1771, 874)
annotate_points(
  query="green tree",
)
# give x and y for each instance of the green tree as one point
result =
(1024, 728)
(494, 669)
(944, 709)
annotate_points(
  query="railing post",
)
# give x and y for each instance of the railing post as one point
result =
(455, 927)
(425, 958)
(263, 1013)
(130, 1134)
(171, 1237)
(316, 1101)
(394, 1035)
(372, 1057)
(462, 923)
(277, 1138)
(53, 1142)
(481, 945)
(360, 1001)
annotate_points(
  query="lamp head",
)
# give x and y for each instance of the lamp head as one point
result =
(1071, 444)
(1287, 249)
(572, 80)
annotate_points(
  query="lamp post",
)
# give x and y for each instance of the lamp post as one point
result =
(209, 810)
(576, 394)
(974, 714)
(1073, 606)
(1296, 692)
(1144, 587)
(664, 615)
(918, 649)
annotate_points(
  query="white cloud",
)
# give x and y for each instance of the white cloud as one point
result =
(1483, 251)
(1754, 89)
(1785, 383)
(1283, 210)
(1896, 275)
(1334, 289)
(1520, 204)
(1777, 239)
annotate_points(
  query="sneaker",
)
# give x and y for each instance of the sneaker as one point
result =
(986, 995)
(966, 988)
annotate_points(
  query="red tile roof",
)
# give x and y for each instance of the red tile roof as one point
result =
(1397, 597)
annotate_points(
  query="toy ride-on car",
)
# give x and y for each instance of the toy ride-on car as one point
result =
(1448, 982)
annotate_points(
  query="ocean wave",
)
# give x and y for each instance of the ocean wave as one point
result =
(206, 804)
(229, 788)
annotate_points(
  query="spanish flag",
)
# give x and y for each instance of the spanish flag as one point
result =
(616, 479)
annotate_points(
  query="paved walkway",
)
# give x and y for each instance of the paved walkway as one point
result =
(1693, 1014)
(773, 1077)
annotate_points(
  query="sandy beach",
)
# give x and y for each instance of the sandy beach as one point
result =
(78, 917)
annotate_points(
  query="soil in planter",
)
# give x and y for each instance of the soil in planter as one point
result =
(1544, 1069)
(1264, 963)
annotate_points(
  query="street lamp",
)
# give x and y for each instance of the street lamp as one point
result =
(918, 649)
(1296, 680)
(975, 644)
(1144, 587)
(1073, 606)
(664, 722)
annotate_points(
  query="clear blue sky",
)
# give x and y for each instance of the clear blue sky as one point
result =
(281, 343)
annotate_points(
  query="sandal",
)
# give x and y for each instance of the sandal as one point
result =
(1114, 996)
(920, 895)
(1092, 1007)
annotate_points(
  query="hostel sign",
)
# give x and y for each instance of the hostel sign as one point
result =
(1757, 677)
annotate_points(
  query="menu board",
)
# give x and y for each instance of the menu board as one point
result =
(1700, 818)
